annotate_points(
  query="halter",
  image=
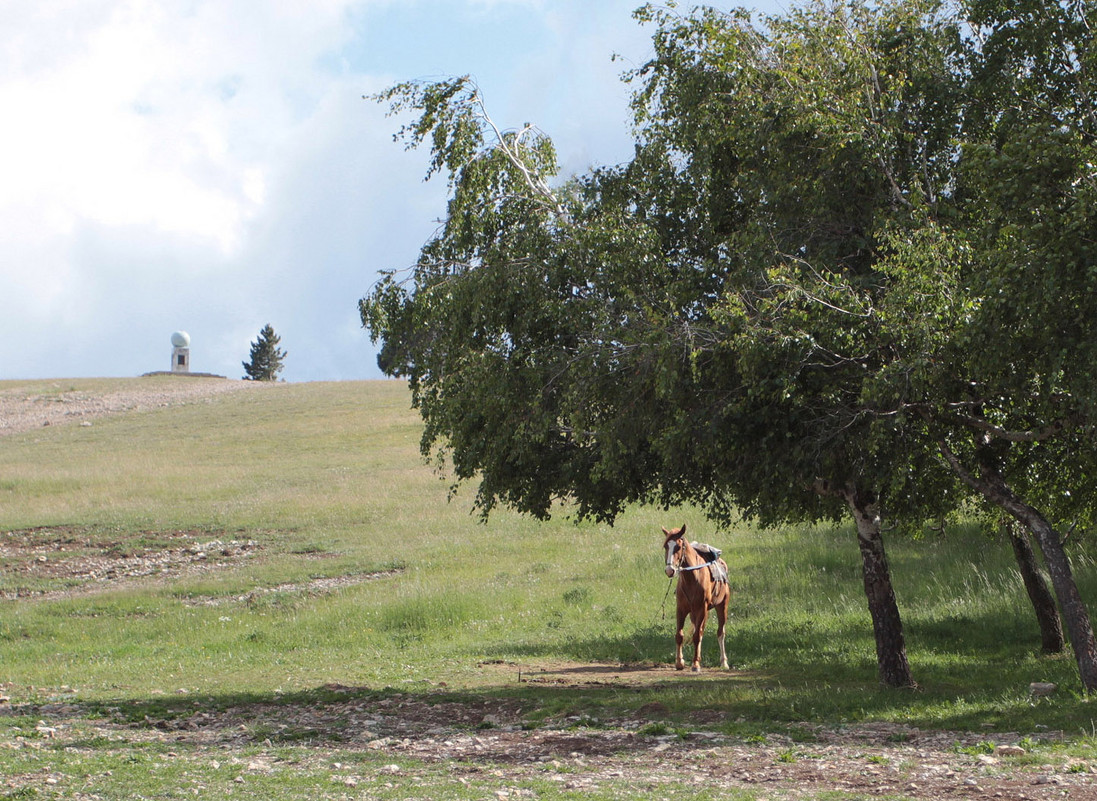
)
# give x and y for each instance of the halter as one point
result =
(679, 569)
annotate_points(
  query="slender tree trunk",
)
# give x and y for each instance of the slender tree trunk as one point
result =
(1043, 603)
(891, 650)
(1074, 609)
(994, 488)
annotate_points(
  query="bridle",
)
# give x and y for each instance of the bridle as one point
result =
(674, 547)
(675, 564)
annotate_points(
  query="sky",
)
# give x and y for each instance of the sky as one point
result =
(211, 166)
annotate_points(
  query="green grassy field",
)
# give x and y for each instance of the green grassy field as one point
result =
(288, 547)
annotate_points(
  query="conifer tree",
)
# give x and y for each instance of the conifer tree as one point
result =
(266, 357)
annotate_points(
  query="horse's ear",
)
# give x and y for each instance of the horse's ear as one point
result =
(682, 530)
(665, 532)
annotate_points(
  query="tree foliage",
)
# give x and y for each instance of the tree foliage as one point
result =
(266, 357)
(850, 266)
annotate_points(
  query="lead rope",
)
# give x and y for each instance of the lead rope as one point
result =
(670, 581)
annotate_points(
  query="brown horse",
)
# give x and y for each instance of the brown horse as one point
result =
(697, 593)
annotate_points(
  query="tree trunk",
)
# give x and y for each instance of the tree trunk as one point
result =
(891, 649)
(994, 488)
(1043, 604)
(1070, 600)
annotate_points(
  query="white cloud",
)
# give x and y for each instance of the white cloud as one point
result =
(210, 164)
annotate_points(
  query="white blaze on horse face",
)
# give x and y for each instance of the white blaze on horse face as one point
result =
(672, 546)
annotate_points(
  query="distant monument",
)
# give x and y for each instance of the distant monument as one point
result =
(180, 359)
(180, 352)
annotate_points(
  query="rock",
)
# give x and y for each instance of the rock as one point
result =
(1009, 750)
(1041, 689)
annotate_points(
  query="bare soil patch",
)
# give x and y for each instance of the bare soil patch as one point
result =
(484, 738)
(55, 562)
(46, 404)
(65, 561)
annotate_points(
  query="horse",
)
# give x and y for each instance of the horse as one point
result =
(697, 593)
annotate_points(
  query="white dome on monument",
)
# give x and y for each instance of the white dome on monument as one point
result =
(180, 339)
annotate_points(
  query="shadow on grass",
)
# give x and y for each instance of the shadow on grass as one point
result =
(974, 675)
(560, 698)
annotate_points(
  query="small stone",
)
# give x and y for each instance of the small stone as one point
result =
(1041, 689)
(1009, 750)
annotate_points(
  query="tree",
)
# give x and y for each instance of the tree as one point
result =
(780, 306)
(266, 357)
(1010, 396)
(988, 195)
(615, 344)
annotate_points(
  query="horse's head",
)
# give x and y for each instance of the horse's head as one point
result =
(673, 548)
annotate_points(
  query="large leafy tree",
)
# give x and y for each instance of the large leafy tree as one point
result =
(1011, 399)
(769, 309)
(644, 333)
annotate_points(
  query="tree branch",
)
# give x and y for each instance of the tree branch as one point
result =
(534, 182)
(1038, 435)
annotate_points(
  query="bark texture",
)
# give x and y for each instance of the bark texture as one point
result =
(887, 626)
(1043, 602)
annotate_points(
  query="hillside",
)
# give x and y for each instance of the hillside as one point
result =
(229, 587)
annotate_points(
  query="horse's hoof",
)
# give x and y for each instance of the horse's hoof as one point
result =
(696, 668)
(680, 667)
(725, 666)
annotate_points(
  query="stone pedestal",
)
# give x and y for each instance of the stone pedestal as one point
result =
(180, 360)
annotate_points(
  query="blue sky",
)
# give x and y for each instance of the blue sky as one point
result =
(211, 166)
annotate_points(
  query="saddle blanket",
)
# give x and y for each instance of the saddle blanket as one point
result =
(716, 567)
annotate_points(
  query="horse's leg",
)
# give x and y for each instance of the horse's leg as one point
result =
(721, 620)
(679, 639)
(699, 617)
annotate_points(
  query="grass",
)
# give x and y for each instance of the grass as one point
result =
(326, 481)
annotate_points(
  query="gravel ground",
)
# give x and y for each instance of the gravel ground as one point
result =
(28, 405)
(488, 741)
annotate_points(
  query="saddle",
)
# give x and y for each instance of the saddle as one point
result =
(716, 566)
